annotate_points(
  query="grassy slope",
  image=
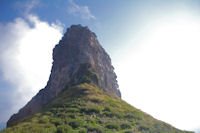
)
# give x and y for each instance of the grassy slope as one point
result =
(83, 108)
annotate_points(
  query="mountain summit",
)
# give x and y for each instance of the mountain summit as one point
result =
(82, 95)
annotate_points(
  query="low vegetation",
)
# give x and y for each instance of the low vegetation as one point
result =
(85, 108)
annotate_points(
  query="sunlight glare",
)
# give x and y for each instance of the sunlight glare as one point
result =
(162, 75)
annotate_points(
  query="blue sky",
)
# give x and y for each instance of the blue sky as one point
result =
(153, 44)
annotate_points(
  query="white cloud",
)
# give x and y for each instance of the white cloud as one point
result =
(26, 56)
(81, 11)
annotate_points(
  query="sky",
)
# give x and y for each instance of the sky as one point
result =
(154, 46)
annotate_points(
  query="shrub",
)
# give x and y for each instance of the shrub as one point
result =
(95, 129)
(54, 110)
(96, 100)
(64, 129)
(107, 109)
(94, 110)
(137, 115)
(71, 110)
(83, 131)
(73, 116)
(129, 116)
(38, 114)
(61, 115)
(113, 114)
(91, 110)
(44, 119)
(129, 131)
(143, 128)
(109, 114)
(76, 123)
(56, 121)
(48, 113)
(125, 126)
(93, 122)
(112, 126)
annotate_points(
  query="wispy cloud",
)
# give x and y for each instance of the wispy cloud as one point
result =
(26, 7)
(81, 11)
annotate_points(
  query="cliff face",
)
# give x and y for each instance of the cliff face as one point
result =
(77, 47)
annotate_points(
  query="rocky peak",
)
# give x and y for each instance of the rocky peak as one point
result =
(78, 33)
(79, 45)
(77, 53)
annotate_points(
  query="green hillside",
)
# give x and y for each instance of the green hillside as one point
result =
(84, 108)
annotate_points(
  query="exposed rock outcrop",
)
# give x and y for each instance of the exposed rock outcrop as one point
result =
(78, 46)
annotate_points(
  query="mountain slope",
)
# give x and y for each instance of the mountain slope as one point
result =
(84, 108)
(82, 95)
